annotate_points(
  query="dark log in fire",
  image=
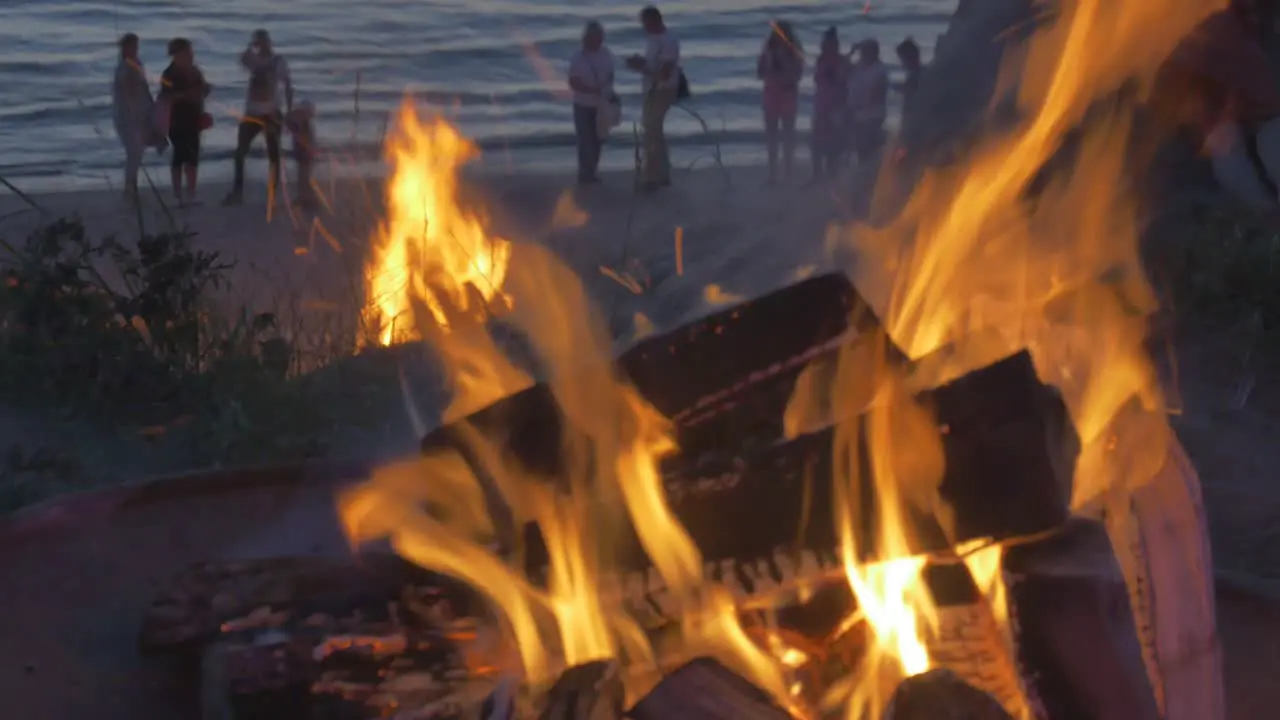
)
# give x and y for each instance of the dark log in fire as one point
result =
(941, 695)
(1075, 628)
(707, 690)
(404, 646)
(747, 493)
(586, 692)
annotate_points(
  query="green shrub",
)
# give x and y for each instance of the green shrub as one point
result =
(130, 338)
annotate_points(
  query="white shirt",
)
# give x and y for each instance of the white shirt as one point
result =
(276, 71)
(660, 49)
(595, 70)
(867, 91)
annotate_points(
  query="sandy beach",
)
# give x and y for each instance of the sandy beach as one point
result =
(736, 234)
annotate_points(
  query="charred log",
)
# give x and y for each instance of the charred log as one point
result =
(744, 491)
(209, 599)
(724, 380)
(706, 690)
(1076, 635)
(941, 695)
(586, 692)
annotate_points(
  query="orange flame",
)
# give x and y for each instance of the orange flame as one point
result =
(971, 264)
(434, 509)
(430, 249)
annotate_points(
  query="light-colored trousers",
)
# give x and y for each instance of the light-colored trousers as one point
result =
(132, 163)
(1236, 171)
(657, 164)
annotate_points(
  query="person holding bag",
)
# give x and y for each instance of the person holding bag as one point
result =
(596, 107)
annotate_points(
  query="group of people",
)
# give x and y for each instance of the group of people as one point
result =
(850, 102)
(175, 117)
(597, 109)
(850, 99)
(849, 106)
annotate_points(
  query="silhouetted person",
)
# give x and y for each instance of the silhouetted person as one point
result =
(132, 113)
(183, 88)
(595, 106)
(829, 128)
(909, 55)
(660, 71)
(868, 101)
(262, 114)
(780, 66)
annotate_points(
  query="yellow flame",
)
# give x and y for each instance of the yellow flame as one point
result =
(430, 249)
(435, 510)
(975, 264)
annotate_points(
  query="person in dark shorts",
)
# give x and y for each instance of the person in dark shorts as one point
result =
(262, 113)
(183, 88)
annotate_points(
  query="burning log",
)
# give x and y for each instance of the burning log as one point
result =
(724, 380)
(586, 692)
(1076, 635)
(707, 690)
(336, 639)
(209, 599)
(941, 695)
(746, 493)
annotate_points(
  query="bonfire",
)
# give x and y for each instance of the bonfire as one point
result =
(855, 497)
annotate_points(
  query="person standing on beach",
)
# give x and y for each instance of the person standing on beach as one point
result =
(183, 91)
(660, 70)
(830, 90)
(909, 55)
(780, 66)
(594, 102)
(133, 113)
(267, 72)
(868, 101)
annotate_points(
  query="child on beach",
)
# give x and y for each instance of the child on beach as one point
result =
(301, 125)
(828, 126)
(780, 66)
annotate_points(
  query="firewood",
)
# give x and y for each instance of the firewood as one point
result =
(586, 692)
(1076, 636)
(942, 695)
(967, 641)
(210, 598)
(706, 690)
(312, 674)
(745, 491)
(500, 704)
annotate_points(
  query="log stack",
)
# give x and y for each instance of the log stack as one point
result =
(297, 638)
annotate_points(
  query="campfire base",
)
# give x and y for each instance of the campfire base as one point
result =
(707, 690)
(941, 695)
